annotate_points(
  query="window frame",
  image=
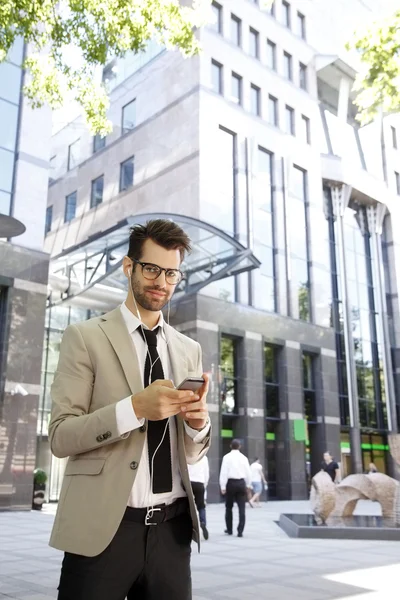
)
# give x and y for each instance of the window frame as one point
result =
(289, 62)
(70, 146)
(310, 390)
(124, 130)
(238, 78)
(96, 149)
(67, 197)
(394, 137)
(220, 67)
(275, 384)
(92, 188)
(219, 24)
(303, 77)
(397, 179)
(306, 122)
(124, 162)
(287, 14)
(235, 19)
(256, 36)
(275, 104)
(289, 110)
(234, 378)
(257, 90)
(301, 23)
(271, 45)
(48, 222)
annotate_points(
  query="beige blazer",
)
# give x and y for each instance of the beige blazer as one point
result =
(98, 366)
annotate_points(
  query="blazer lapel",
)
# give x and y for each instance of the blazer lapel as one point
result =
(115, 329)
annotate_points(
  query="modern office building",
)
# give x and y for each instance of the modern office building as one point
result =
(292, 285)
(24, 145)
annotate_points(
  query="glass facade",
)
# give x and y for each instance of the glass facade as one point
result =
(263, 232)
(298, 244)
(309, 393)
(10, 90)
(99, 142)
(272, 413)
(96, 195)
(70, 207)
(73, 155)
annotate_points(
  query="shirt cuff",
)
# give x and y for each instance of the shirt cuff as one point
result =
(126, 418)
(198, 436)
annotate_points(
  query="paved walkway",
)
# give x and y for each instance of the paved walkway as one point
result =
(264, 564)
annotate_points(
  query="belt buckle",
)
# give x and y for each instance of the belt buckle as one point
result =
(149, 515)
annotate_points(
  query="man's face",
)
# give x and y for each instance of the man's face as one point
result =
(154, 294)
(327, 457)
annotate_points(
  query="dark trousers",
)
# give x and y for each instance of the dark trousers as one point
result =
(142, 562)
(235, 492)
(198, 493)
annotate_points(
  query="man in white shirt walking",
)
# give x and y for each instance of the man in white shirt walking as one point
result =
(235, 480)
(199, 475)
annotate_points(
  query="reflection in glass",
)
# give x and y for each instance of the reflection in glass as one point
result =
(5, 202)
(70, 207)
(10, 82)
(228, 373)
(126, 175)
(129, 116)
(6, 170)
(271, 379)
(9, 122)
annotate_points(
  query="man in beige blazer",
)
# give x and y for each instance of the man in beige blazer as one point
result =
(126, 515)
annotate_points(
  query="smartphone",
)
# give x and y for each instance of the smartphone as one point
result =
(191, 383)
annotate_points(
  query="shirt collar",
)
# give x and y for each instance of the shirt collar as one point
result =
(133, 323)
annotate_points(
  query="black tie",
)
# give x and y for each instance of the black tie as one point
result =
(162, 472)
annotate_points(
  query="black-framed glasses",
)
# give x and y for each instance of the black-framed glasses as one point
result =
(153, 272)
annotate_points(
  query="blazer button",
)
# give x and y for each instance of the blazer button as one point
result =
(107, 434)
(99, 438)
(142, 428)
(133, 465)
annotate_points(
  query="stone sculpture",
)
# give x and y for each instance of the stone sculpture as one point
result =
(330, 500)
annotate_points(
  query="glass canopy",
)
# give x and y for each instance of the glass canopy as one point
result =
(94, 267)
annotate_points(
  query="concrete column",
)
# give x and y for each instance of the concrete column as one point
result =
(340, 199)
(291, 463)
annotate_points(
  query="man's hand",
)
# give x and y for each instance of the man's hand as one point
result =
(161, 400)
(196, 412)
(223, 492)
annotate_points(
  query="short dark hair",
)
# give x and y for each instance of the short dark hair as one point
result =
(235, 445)
(161, 231)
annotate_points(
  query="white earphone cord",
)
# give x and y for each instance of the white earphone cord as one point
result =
(150, 502)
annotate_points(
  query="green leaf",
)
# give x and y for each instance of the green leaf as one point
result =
(96, 31)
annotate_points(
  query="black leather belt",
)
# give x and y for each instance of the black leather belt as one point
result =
(157, 514)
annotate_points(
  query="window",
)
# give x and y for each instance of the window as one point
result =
(271, 381)
(305, 123)
(271, 55)
(272, 9)
(287, 66)
(5, 203)
(289, 123)
(129, 116)
(217, 14)
(310, 408)
(49, 218)
(73, 155)
(126, 176)
(272, 110)
(297, 228)
(216, 77)
(254, 37)
(228, 362)
(255, 98)
(10, 82)
(394, 137)
(286, 13)
(6, 169)
(99, 142)
(96, 196)
(70, 207)
(9, 122)
(236, 30)
(303, 76)
(397, 177)
(236, 91)
(301, 25)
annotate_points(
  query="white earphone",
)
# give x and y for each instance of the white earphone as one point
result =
(151, 508)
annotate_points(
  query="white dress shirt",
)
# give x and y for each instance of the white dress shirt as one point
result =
(141, 495)
(235, 465)
(200, 472)
(256, 472)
